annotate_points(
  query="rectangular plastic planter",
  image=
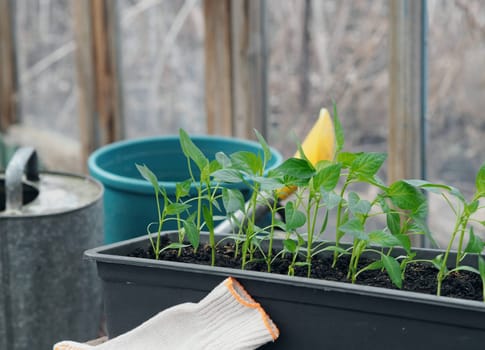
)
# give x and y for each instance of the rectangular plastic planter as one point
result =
(311, 314)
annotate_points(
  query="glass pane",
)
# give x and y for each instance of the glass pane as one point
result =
(321, 51)
(47, 81)
(456, 147)
(162, 54)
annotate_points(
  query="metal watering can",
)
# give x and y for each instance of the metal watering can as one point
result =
(47, 291)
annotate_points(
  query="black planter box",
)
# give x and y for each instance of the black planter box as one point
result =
(311, 314)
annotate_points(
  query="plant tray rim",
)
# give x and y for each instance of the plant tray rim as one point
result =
(108, 254)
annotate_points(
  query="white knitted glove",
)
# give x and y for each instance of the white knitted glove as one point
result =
(227, 318)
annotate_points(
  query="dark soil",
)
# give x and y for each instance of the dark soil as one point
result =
(419, 277)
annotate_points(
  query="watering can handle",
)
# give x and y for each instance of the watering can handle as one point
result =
(23, 160)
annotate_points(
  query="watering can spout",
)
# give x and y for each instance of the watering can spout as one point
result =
(23, 161)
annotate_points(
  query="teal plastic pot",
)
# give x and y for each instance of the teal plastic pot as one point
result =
(129, 201)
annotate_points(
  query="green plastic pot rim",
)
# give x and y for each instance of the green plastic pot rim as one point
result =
(101, 255)
(140, 185)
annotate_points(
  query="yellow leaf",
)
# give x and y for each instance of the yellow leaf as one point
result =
(319, 144)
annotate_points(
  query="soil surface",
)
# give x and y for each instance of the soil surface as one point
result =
(419, 277)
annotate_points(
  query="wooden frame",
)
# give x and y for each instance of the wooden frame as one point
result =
(235, 65)
(101, 120)
(8, 68)
(407, 84)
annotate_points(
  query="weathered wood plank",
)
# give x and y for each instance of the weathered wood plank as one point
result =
(407, 91)
(218, 91)
(236, 72)
(85, 76)
(249, 71)
(100, 107)
(8, 68)
(106, 65)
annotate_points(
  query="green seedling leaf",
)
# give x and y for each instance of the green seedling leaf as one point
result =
(163, 192)
(324, 223)
(393, 221)
(428, 186)
(214, 166)
(405, 242)
(393, 269)
(301, 152)
(150, 226)
(354, 228)
(273, 174)
(420, 226)
(345, 219)
(358, 206)
(264, 145)
(238, 238)
(353, 199)
(381, 199)
(376, 181)
(405, 196)
(466, 268)
(422, 211)
(368, 164)
(267, 183)
(323, 164)
(376, 265)
(205, 173)
(191, 151)
(227, 176)
(436, 188)
(475, 244)
(192, 234)
(295, 168)
(473, 206)
(216, 205)
(209, 220)
(301, 240)
(174, 245)
(148, 175)
(332, 249)
(481, 266)
(437, 263)
(327, 177)
(182, 189)
(233, 200)
(247, 162)
(223, 159)
(176, 208)
(383, 238)
(347, 158)
(294, 218)
(480, 182)
(290, 245)
(331, 199)
(456, 193)
(339, 132)
(279, 224)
